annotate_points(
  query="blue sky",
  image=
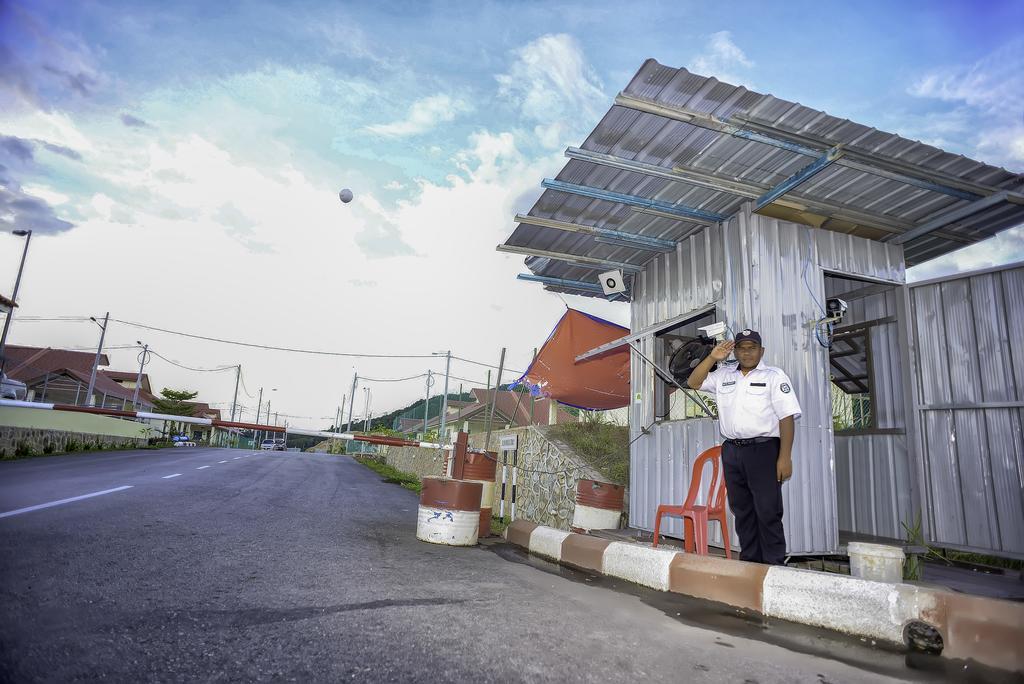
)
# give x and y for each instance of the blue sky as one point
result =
(181, 160)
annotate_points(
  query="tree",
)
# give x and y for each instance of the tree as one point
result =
(175, 402)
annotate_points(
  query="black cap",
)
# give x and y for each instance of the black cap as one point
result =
(748, 335)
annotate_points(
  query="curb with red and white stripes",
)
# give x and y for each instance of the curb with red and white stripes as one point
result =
(988, 631)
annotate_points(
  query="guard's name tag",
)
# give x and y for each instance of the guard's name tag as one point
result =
(728, 384)
(758, 384)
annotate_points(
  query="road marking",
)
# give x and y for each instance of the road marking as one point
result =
(202, 467)
(63, 501)
(221, 461)
(236, 458)
(168, 477)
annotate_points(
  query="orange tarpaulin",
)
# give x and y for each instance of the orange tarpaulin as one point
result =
(600, 382)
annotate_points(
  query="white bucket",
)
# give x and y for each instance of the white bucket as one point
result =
(876, 562)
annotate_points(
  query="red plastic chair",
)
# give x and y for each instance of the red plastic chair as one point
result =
(697, 518)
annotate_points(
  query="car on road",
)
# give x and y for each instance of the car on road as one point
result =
(11, 389)
(273, 445)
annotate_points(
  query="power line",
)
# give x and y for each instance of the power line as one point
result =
(270, 347)
(485, 365)
(200, 370)
(411, 377)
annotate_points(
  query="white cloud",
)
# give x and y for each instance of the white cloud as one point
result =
(1004, 248)
(424, 115)
(723, 59)
(554, 87)
(989, 99)
(394, 185)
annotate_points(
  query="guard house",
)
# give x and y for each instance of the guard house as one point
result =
(719, 204)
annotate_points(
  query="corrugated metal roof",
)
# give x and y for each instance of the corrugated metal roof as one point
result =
(716, 158)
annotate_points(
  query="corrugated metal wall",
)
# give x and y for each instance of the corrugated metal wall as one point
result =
(751, 269)
(969, 395)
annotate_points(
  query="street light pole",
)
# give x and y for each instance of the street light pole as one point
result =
(96, 361)
(138, 379)
(341, 414)
(259, 406)
(14, 297)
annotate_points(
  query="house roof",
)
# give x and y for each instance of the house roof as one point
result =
(129, 376)
(25, 363)
(678, 151)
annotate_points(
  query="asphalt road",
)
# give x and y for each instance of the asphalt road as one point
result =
(304, 567)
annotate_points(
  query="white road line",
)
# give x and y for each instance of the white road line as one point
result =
(63, 501)
(236, 458)
(221, 461)
(202, 467)
(168, 477)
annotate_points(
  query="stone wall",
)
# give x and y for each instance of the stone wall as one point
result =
(546, 475)
(19, 441)
(419, 462)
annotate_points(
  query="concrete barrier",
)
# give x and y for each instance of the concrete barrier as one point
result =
(988, 631)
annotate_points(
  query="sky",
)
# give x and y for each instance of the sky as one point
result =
(180, 164)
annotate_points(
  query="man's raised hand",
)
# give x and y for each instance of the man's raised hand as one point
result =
(722, 350)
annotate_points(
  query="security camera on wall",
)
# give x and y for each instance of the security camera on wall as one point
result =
(836, 309)
(612, 282)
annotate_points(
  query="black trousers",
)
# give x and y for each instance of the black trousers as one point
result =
(755, 498)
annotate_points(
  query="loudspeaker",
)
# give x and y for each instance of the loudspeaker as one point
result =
(612, 282)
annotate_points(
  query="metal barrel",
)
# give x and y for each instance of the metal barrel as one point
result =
(449, 511)
(598, 505)
(483, 469)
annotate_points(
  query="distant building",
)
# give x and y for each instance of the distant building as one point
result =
(516, 409)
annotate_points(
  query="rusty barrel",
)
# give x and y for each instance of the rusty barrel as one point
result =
(598, 505)
(449, 512)
(482, 468)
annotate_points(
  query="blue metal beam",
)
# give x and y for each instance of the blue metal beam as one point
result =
(800, 177)
(678, 210)
(594, 288)
(619, 237)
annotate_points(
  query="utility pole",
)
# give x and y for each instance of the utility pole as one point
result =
(259, 405)
(366, 424)
(426, 406)
(14, 297)
(494, 401)
(337, 416)
(234, 401)
(352, 404)
(96, 361)
(138, 379)
(444, 402)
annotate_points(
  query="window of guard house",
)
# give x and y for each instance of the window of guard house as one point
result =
(670, 402)
(850, 368)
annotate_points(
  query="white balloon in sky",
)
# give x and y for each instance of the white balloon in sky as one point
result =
(345, 195)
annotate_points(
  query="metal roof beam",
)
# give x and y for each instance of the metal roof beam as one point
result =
(889, 168)
(592, 288)
(951, 216)
(804, 145)
(802, 176)
(678, 211)
(749, 189)
(574, 259)
(623, 238)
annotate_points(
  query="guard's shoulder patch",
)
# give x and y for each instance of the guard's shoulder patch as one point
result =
(786, 389)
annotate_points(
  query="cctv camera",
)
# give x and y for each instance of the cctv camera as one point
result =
(836, 308)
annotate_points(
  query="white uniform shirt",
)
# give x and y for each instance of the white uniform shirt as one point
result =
(751, 405)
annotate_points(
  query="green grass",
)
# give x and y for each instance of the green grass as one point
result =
(391, 475)
(602, 445)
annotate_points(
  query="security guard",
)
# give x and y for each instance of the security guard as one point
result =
(756, 411)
